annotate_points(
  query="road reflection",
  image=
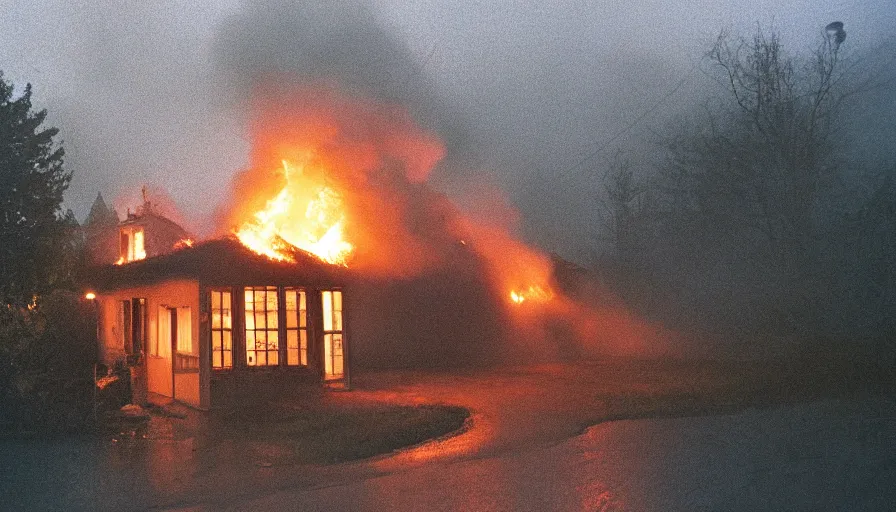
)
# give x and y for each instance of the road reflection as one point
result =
(523, 449)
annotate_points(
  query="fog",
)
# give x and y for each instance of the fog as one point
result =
(530, 98)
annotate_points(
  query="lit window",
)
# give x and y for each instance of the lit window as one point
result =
(131, 246)
(175, 333)
(222, 333)
(296, 327)
(262, 330)
(139, 248)
(334, 337)
(184, 331)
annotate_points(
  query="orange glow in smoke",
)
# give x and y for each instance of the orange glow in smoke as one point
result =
(306, 213)
(344, 177)
(532, 293)
(523, 274)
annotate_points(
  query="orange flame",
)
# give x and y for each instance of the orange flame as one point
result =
(183, 243)
(519, 272)
(306, 214)
(533, 293)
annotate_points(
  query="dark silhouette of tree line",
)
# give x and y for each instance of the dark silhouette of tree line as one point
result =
(47, 330)
(753, 229)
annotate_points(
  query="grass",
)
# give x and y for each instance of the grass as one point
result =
(330, 433)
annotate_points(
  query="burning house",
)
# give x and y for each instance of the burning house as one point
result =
(244, 314)
(208, 323)
(334, 201)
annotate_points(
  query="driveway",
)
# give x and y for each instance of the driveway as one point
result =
(528, 446)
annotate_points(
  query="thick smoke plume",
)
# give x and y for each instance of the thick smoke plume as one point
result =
(329, 90)
(373, 154)
(340, 41)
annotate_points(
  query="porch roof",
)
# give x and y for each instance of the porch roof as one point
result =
(219, 262)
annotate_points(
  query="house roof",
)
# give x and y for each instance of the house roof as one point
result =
(220, 262)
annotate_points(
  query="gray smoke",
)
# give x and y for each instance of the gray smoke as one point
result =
(522, 92)
(340, 43)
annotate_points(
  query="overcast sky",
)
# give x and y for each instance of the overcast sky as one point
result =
(522, 91)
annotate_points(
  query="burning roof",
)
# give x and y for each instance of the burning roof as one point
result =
(222, 262)
(335, 191)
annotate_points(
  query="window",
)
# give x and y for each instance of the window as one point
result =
(186, 356)
(222, 330)
(131, 245)
(139, 247)
(176, 334)
(296, 327)
(262, 328)
(184, 331)
(333, 334)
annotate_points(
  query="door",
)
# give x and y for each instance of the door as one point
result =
(137, 346)
(334, 335)
(159, 365)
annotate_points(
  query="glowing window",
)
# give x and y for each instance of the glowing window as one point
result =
(139, 252)
(296, 327)
(131, 245)
(334, 337)
(222, 330)
(262, 329)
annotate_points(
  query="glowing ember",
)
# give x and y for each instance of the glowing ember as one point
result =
(183, 243)
(532, 293)
(104, 381)
(306, 214)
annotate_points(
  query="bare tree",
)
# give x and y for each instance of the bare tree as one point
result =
(770, 160)
(623, 209)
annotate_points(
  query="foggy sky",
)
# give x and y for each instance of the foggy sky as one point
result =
(522, 92)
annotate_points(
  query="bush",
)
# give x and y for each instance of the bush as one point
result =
(47, 356)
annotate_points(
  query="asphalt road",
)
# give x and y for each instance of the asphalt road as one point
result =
(830, 455)
(527, 447)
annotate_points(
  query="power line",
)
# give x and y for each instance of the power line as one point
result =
(628, 127)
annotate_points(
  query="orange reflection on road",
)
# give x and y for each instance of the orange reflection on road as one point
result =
(477, 430)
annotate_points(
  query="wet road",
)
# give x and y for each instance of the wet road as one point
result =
(824, 456)
(524, 450)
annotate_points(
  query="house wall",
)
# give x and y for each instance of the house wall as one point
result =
(246, 386)
(439, 319)
(161, 235)
(205, 386)
(156, 370)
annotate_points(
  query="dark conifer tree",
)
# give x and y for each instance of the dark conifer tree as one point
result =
(35, 234)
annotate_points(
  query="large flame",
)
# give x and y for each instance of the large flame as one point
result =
(352, 190)
(306, 213)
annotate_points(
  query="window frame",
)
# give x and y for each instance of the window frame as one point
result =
(269, 292)
(182, 361)
(301, 326)
(127, 244)
(333, 333)
(222, 350)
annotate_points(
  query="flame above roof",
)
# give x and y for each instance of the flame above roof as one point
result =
(220, 262)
